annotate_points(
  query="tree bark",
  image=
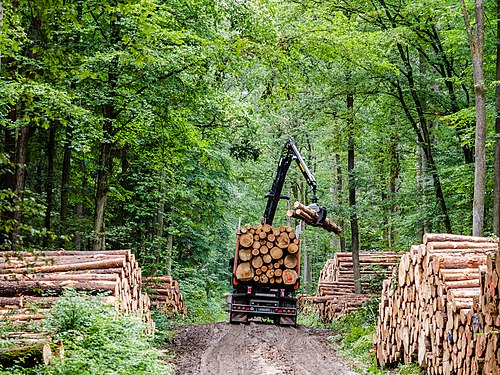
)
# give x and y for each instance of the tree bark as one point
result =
(49, 183)
(340, 188)
(394, 169)
(107, 147)
(101, 198)
(352, 194)
(65, 176)
(476, 46)
(496, 189)
(22, 158)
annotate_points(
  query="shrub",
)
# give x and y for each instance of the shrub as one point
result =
(98, 340)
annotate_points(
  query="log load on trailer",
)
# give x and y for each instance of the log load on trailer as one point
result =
(266, 266)
(265, 274)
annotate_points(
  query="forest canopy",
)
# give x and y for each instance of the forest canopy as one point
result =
(156, 125)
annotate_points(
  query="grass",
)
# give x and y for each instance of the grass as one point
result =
(352, 339)
(97, 340)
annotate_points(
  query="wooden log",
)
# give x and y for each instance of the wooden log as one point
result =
(442, 237)
(465, 261)
(257, 262)
(29, 355)
(22, 301)
(106, 263)
(289, 276)
(244, 272)
(245, 254)
(290, 261)
(61, 276)
(246, 239)
(54, 255)
(267, 258)
(327, 224)
(293, 248)
(33, 288)
(461, 245)
(276, 253)
(283, 241)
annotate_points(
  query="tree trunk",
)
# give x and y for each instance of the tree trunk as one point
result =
(352, 195)
(22, 158)
(65, 176)
(340, 189)
(77, 238)
(496, 189)
(107, 146)
(49, 183)
(101, 199)
(476, 46)
(8, 181)
(170, 245)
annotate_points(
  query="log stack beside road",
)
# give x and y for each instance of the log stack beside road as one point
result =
(487, 318)
(165, 294)
(426, 308)
(336, 295)
(31, 282)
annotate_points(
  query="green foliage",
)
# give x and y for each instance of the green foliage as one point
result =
(193, 101)
(204, 295)
(97, 340)
(353, 334)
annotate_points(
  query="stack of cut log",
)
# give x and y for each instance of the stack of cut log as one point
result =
(305, 303)
(487, 318)
(310, 216)
(426, 309)
(267, 255)
(36, 279)
(165, 294)
(336, 296)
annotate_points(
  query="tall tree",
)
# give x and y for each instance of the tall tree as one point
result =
(476, 45)
(496, 192)
(352, 193)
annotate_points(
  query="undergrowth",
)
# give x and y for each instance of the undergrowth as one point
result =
(97, 340)
(352, 338)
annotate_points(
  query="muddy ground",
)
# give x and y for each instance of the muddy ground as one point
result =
(254, 349)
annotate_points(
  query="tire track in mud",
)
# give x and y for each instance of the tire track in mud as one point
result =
(264, 349)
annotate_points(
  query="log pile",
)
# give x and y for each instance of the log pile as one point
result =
(310, 216)
(336, 296)
(305, 303)
(31, 282)
(267, 255)
(426, 308)
(165, 294)
(487, 315)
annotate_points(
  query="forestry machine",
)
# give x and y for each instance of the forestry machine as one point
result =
(252, 296)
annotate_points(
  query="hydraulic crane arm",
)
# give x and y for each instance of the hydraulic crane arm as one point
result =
(290, 153)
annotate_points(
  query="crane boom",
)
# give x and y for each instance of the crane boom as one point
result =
(290, 152)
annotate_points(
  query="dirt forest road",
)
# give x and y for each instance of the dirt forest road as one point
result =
(254, 349)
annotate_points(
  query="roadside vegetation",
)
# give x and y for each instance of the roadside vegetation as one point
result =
(97, 340)
(351, 336)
